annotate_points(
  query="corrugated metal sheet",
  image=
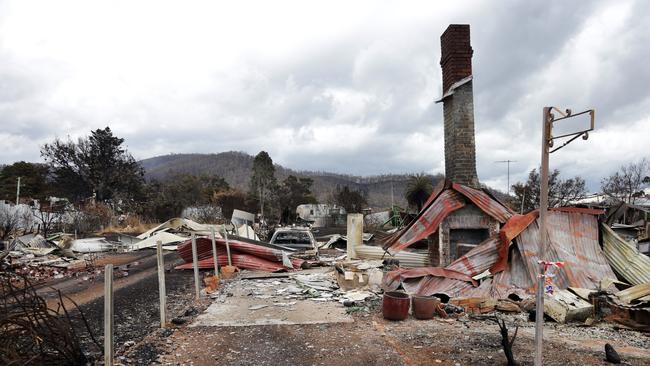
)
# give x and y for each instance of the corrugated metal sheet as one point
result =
(443, 201)
(573, 239)
(479, 259)
(423, 280)
(240, 260)
(583, 210)
(264, 254)
(406, 259)
(428, 221)
(626, 260)
(429, 285)
(508, 232)
(491, 207)
(634, 293)
(436, 192)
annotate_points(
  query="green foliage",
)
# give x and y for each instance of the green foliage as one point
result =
(351, 201)
(293, 192)
(96, 164)
(560, 192)
(418, 190)
(33, 181)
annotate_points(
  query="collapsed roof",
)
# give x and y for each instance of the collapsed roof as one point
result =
(508, 262)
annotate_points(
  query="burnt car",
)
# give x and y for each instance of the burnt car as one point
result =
(295, 238)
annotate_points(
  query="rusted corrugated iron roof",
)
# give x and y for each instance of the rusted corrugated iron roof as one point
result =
(508, 232)
(444, 200)
(479, 259)
(491, 207)
(626, 260)
(634, 293)
(572, 238)
(436, 192)
(584, 210)
(244, 255)
(428, 220)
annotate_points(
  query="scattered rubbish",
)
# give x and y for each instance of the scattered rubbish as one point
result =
(257, 307)
(564, 307)
(211, 284)
(178, 321)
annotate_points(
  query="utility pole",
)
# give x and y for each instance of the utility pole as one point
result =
(18, 192)
(507, 162)
(547, 144)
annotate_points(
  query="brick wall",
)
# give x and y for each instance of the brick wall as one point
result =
(456, 54)
(456, 62)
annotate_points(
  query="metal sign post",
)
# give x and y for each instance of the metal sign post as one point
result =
(547, 144)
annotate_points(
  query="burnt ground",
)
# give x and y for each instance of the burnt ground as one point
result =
(369, 340)
(136, 305)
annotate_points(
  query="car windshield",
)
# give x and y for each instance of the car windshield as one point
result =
(292, 238)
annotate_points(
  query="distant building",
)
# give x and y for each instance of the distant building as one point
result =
(322, 214)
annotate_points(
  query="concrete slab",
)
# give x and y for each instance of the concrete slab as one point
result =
(273, 301)
(237, 314)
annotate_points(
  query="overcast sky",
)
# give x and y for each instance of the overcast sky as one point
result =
(342, 86)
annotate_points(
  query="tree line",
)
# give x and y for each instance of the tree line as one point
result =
(97, 170)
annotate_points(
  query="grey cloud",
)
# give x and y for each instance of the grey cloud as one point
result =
(395, 77)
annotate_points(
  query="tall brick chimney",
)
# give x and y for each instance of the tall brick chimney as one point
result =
(458, 105)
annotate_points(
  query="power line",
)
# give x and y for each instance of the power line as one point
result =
(507, 162)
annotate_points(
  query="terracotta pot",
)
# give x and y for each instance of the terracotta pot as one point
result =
(395, 305)
(424, 306)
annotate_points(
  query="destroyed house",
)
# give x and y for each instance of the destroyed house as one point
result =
(459, 214)
(480, 248)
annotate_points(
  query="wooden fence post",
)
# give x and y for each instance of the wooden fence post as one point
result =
(214, 253)
(161, 284)
(108, 315)
(225, 233)
(195, 264)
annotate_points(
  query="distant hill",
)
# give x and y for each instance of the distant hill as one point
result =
(235, 168)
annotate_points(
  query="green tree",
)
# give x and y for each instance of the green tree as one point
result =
(33, 181)
(97, 164)
(292, 192)
(418, 190)
(561, 192)
(351, 201)
(628, 182)
(263, 182)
